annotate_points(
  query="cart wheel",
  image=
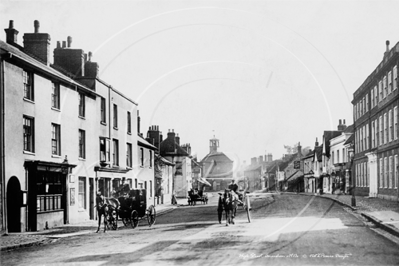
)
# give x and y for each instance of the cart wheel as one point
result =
(151, 215)
(134, 219)
(125, 221)
(248, 208)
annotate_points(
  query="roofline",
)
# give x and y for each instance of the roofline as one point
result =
(61, 76)
(116, 91)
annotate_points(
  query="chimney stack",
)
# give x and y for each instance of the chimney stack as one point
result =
(11, 34)
(387, 48)
(71, 60)
(38, 44)
(316, 143)
(341, 127)
(91, 68)
(177, 139)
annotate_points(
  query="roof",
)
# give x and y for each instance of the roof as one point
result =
(327, 136)
(217, 156)
(318, 150)
(40, 67)
(170, 147)
(349, 129)
(163, 160)
(144, 143)
(350, 139)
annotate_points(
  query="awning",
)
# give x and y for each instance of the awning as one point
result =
(203, 181)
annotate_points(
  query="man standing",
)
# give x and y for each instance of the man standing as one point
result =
(233, 186)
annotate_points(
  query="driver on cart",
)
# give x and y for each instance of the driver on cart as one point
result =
(234, 187)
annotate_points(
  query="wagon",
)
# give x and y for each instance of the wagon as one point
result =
(199, 196)
(133, 208)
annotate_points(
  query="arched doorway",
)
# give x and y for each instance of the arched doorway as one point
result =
(14, 203)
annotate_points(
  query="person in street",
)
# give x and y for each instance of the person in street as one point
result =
(99, 200)
(233, 186)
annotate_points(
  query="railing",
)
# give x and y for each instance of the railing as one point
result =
(49, 202)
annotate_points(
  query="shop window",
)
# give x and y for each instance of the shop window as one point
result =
(49, 191)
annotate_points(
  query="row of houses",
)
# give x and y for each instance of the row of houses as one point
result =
(361, 158)
(66, 134)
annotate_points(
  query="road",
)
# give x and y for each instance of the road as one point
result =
(285, 230)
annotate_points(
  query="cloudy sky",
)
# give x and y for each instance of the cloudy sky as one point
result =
(256, 74)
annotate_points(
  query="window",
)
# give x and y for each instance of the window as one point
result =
(395, 123)
(141, 156)
(55, 96)
(28, 85)
(395, 77)
(389, 82)
(385, 128)
(55, 139)
(390, 129)
(103, 111)
(135, 182)
(150, 188)
(115, 116)
(386, 172)
(373, 134)
(332, 157)
(81, 105)
(28, 134)
(150, 158)
(367, 102)
(396, 170)
(343, 155)
(381, 132)
(129, 155)
(380, 90)
(337, 156)
(115, 155)
(390, 181)
(129, 123)
(375, 96)
(385, 88)
(381, 175)
(145, 185)
(104, 150)
(372, 97)
(82, 193)
(48, 190)
(82, 144)
(367, 136)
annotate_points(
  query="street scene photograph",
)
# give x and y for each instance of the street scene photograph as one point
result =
(203, 132)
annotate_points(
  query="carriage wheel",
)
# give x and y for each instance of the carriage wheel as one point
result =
(247, 208)
(151, 215)
(125, 221)
(134, 219)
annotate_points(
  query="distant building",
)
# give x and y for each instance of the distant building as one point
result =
(180, 156)
(217, 168)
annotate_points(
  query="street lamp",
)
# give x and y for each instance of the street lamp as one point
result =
(352, 156)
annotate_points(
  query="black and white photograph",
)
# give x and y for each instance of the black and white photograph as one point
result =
(201, 132)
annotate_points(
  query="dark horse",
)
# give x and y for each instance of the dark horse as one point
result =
(228, 202)
(107, 207)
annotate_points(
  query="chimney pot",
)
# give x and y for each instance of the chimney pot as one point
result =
(344, 121)
(69, 39)
(90, 55)
(58, 44)
(37, 26)
(11, 25)
(387, 43)
(63, 44)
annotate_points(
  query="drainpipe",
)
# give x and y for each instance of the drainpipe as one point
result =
(2, 134)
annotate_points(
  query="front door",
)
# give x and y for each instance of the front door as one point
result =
(14, 204)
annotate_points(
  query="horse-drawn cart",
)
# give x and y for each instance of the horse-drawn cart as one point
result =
(134, 208)
(197, 195)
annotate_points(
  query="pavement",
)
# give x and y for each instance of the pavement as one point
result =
(384, 213)
(12, 241)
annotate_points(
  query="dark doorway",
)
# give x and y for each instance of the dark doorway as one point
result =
(91, 198)
(14, 204)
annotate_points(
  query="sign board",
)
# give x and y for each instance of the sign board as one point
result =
(297, 164)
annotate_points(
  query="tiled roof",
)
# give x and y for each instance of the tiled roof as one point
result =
(170, 147)
(217, 156)
(144, 143)
(350, 139)
(319, 150)
(349, 129)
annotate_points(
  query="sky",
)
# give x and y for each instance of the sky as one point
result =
(257, 75)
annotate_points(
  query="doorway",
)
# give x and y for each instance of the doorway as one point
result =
(14, 204)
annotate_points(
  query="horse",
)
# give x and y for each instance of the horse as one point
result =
(228, 202)
(107, 207)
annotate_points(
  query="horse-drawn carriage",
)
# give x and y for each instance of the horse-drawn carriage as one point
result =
(197, 195)
(130, 208)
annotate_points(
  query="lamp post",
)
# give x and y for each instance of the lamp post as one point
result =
(352, 156)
